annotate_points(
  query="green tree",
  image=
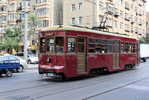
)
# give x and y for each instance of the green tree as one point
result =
(143, 40)
(147, 38)
(11, 40)
(33, 19)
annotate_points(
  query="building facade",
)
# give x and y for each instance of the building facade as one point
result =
(147, 27)
(123, 16)
(12, 13)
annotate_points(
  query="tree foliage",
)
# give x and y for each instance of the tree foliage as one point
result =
(11, 40)
(145, 39)
(33, 19)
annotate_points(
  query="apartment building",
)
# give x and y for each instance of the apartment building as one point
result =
(3, 17)
(12, 12)
(49, 12)
(147, 26)
(122, 16)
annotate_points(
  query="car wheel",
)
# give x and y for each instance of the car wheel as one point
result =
(8, 73)
(20, 69)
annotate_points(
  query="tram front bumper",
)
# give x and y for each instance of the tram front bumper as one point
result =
(50, 69)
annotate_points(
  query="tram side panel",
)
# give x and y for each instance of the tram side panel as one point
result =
(70, 66)
(128, 59)
(96, 61)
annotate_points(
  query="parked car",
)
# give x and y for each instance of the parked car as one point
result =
(32, 59)
(7, 65)
(15, 59)
(22, 62)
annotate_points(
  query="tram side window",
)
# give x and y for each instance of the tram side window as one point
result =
(116, 46)
(109, 46)
(99, 46)
(126, 47)
(51, 45)
(42, 45)
(59, 43)
(133, 48)
(103, 46)
(91, 45)
(122, 47)
(129, 48)
(71, 45)
(80, 45)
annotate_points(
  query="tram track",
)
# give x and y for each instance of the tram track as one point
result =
(40, 96)
(29, 87)
(116, 88)
(56, 88)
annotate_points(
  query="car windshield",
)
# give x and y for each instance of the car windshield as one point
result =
(9, 58)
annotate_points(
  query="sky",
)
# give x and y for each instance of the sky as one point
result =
(147, 5)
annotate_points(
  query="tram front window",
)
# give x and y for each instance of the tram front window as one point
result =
(71, 45)
(42, 45)
(59, 44)
(55, 45)
(50, 45)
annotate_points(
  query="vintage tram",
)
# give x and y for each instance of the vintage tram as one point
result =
(72, 51)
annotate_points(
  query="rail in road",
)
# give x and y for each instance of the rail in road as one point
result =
(75, 90)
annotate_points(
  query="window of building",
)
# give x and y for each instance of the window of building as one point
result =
(71, 45)
(80, 20)
(41, 1)
(73, 21)
(101, 5)
(45, 23)
(80, 5)
(73, 7)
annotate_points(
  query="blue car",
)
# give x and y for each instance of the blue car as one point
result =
(8, 64)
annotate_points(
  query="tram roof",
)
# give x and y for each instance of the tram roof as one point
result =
(132, 36)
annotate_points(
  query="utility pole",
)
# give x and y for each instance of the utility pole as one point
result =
(26, 31)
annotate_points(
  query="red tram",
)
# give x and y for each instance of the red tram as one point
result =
(71, 52)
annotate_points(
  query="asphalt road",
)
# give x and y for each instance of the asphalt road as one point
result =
(125, 85)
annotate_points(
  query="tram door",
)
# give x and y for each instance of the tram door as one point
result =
(81, 55)
(116, 54)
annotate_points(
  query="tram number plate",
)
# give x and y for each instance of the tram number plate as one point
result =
(50, 74)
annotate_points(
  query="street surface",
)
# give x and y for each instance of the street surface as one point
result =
(125, 85)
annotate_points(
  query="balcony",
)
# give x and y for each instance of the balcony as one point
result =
(140, 23)
(116, 13)
(144, 1)
(19, 8)
(110, 0)
(132, 19)
(110, 9)
(127, 17)
(127, 6)
(109, 24)
(127, 30)
(18, 21)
